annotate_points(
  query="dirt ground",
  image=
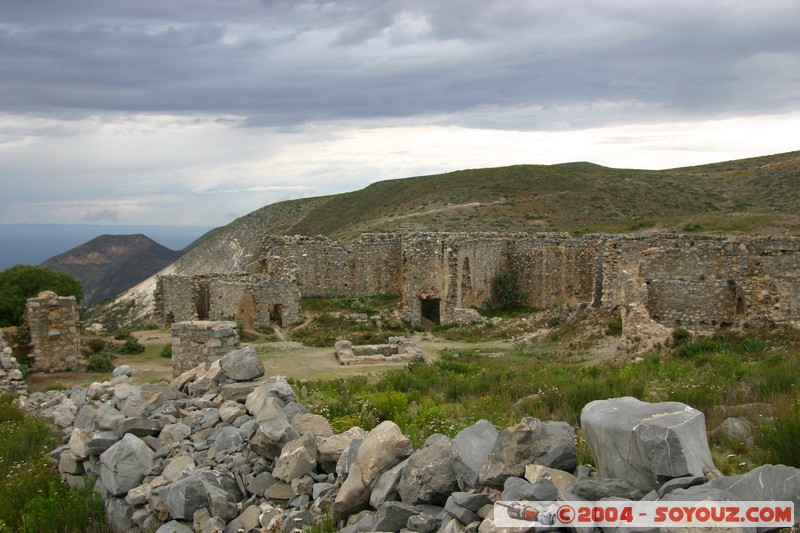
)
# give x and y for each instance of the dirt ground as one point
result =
(283, 358)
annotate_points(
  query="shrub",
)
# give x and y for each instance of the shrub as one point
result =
(680, 335)
(781, 438)
(96, 345)
(506, 291)
(122, 334)
(100, 362)
(614, 327)
(166, 352)
(132, 346)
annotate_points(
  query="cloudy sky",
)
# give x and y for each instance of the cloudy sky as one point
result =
(193, 112)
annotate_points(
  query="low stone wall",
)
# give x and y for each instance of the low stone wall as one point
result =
(399, 350)
(55, 338)
(197, 341)
(11, 379)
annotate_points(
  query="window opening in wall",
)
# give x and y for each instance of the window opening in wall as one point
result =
(430, 311)
(203, 301)
(276, 314)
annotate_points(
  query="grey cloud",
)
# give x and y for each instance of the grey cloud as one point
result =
(101, 215)
(283, 63)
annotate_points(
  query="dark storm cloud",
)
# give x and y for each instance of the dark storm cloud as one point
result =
(524, 64)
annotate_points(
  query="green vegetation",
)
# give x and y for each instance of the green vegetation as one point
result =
(464, 386)
(100, 362)
(34, 499)
(328, 323)
(21, 282)
(506, 291)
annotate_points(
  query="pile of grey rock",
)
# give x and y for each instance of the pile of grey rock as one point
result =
(11, 378)
(221, 448)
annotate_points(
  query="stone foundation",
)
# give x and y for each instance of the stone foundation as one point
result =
(55, 339)
(399, 350)
(198, 341)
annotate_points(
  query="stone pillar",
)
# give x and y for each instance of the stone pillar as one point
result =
(198, 341)
(55, 340)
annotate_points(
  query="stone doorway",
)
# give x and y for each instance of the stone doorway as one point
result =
(276, 314)
(431, 311)
(203, 301)
(246, 311)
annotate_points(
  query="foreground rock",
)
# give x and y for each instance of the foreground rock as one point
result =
(646, 444)
(207, 453)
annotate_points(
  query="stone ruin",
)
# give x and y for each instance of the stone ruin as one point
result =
(199, 341)
(55, 337)
(221, 448)
(11, 378)
(398, 350)
(653, 282)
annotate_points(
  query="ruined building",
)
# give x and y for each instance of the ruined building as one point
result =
(701, 282)
(55, 338)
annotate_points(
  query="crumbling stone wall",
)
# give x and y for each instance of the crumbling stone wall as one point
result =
(55, 337)
(256, 300)
(367, 265)
(668, 280)
(705, 282)
(199, 341)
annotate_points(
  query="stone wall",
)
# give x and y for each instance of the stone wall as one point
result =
(199, 341)
(703, 281)
(669, 280)
(256, 300)
(55, 337)
(370, 264)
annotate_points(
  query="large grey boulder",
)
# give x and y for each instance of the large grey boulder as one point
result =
(330, 449)
(382, 448)
(429, 476)
(124, 465)
(393, 516)
(270, 436)
(202, 489)
(242, 364)
(532, 441)
(471, 449)
(765, 483)
(385, 488)
(644, 443)
(298, 458)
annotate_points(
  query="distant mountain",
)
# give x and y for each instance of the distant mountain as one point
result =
(30, 244)
(110, 264)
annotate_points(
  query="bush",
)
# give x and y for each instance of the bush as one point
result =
(122, 334)
(100, 362)
(680, 335)
(506, 291)
(96, 345)
(131, 346)
(614, 327)
(166, 352)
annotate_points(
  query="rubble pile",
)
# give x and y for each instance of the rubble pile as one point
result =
(221, 448)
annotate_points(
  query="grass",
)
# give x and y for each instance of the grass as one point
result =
(463, 386)
(32, 496)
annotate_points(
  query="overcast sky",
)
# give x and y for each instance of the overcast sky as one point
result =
(194, 112)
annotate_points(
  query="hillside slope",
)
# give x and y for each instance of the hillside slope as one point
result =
(759, 196)
(110, 264)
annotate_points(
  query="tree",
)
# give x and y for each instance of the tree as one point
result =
(21, 282)
(506, 292)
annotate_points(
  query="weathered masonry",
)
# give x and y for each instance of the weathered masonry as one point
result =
(55, 337)
(701, 282)
(255, 300)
